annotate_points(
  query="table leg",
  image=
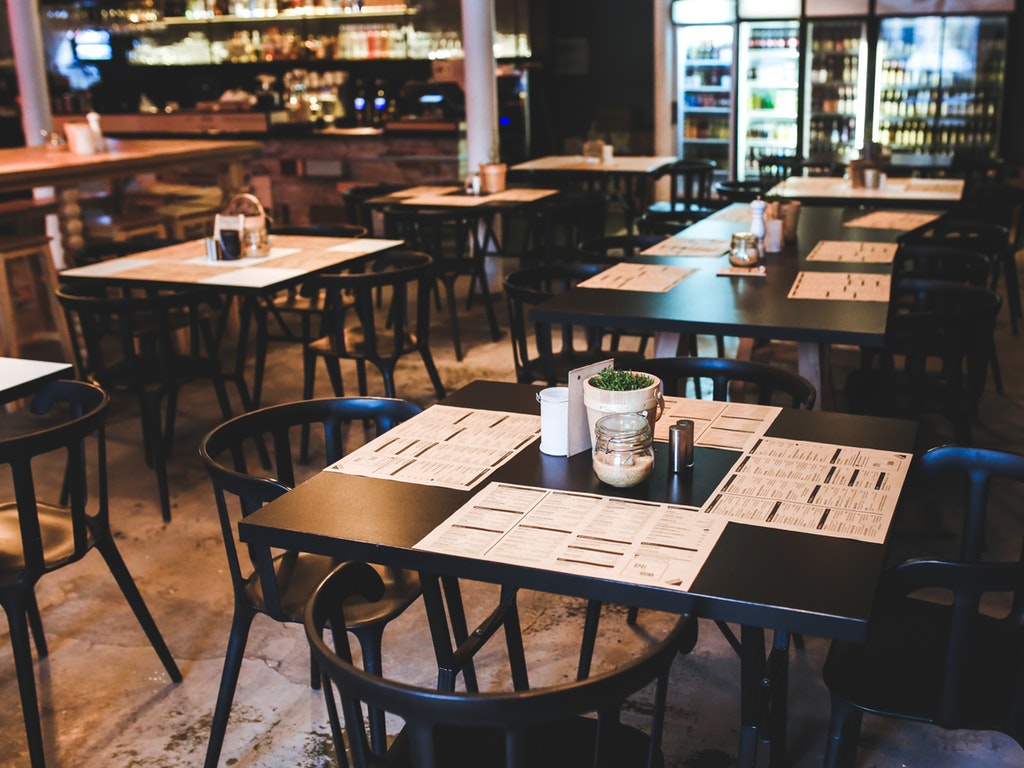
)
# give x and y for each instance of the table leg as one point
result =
(752, 667)
(813, 363)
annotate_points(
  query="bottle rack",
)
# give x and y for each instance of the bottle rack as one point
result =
(835, 101)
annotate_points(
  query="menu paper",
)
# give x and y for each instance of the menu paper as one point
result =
(688, 246)
(717, 424)
(638, 542)
(444, 446)
(898, 220)
(859, 253)
(817, 488)
(630, 276)
(841, 286)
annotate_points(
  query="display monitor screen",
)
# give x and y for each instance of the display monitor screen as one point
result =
(93, 45)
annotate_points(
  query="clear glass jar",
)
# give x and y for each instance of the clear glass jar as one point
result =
(623, 455)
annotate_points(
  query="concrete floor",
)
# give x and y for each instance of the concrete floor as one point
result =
(107, 702)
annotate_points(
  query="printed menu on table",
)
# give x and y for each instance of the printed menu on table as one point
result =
(898, 220)
(630, 276)
(444, 446)
(819, 488)
(638, 542)
(688, 246)
(860, 253)
(841, 286)
(717, 424)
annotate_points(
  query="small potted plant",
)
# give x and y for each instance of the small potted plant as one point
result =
(614, 390)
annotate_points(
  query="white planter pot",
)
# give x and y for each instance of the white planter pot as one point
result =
(649, 401)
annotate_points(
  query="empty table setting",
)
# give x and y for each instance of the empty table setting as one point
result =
(887, 192)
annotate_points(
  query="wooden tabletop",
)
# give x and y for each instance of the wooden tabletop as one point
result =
(26, 167)
(638, 164)
(902, 192)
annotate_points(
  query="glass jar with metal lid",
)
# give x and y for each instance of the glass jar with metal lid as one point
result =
(623, 455)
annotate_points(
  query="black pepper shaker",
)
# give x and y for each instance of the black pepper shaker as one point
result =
(680, 444)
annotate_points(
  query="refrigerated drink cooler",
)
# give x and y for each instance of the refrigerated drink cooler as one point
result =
(705, 76)
(766, 100)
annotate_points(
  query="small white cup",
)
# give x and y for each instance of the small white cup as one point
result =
(554, 421)
(773, 235)
(81, 138)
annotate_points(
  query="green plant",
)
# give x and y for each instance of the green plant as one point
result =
(619, 380)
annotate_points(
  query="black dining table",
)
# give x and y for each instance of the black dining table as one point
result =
(749, 306)
(762, 578)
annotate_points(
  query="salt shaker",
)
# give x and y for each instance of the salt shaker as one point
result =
(757, 226)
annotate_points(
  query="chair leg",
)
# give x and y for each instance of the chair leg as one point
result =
(435, 377)
(105, 544)
(370, 641)
(26, 683)
(35, 622)
(843, 734)
(233, 657)
(153, 438)
(453, 316)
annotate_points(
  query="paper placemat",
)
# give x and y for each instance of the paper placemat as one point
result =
(731, 271)
(841, 286)
(688, 246)
(898, 220)
(630, 276)
(858, 253)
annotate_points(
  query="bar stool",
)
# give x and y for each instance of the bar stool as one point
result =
(29, 311)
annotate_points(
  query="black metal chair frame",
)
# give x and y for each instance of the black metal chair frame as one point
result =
(42, 536)
(278, 587)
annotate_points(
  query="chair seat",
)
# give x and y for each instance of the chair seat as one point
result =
(562, 744)
(56, 536)
(299, 573)
(904, 676)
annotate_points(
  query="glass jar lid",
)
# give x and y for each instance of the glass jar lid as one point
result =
(622, 429)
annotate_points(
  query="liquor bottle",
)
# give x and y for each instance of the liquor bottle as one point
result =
(380, 104)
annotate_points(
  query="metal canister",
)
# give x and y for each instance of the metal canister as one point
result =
(680, 444)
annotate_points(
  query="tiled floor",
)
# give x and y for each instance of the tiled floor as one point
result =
(107, 702)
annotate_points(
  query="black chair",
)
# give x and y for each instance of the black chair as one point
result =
(278, 587)
(744, 191)
(65, 455)
(298, 312)
(147, 346)
(564, 221)
(731, 380)
(987, 237)
(945, 638)
(358, 212)
(936, 355)
(540, 351)
(542, 727)
(773, 169)
(371, 338)
(689, 193)
(451, 239)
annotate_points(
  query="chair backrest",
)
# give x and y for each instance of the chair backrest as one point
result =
(690, 183)
(979, 666)
(772, 383)
(739, 191)
(446, 235)
(322, 230)
(941, 262)
(525, 289)
(144, 326)
(75, 411)
(408, 276)
(618, 247)
(943, 332)
(356, 209)
(775, 168)
(230, 453)
(515, 729)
